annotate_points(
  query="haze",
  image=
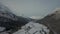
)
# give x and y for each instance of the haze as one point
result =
(32, 7)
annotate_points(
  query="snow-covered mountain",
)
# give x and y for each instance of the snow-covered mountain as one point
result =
(52, 21)
(6, 12)
(10, 21)
(33, 28)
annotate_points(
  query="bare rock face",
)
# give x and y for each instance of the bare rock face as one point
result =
(52, 21)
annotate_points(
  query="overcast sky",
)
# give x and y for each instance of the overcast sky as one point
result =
(32, 7)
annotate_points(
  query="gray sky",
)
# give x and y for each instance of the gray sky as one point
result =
(32, 7)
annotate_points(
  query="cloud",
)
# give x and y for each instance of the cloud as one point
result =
(36, 17)
(57, 9)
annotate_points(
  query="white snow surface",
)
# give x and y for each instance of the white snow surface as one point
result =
(1, 29)
(30, 28)
(33, 28)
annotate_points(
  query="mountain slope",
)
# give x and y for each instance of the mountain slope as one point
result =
(52, 21)
(10, 21)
